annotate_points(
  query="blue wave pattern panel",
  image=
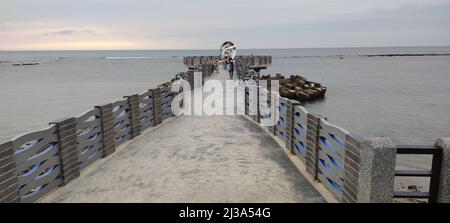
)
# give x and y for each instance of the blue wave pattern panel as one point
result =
(331, 157)
(37, 163)
(89, 137)
(166, 96)
(299, 132)
(281, 124)
(146, 110)
(121, 117)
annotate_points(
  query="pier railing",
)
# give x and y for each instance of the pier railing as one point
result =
(33, 164)
(434, 174)
(351, 168)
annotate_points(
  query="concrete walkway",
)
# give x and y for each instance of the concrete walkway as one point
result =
(194, 159)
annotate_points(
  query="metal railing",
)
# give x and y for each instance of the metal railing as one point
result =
(433, 174)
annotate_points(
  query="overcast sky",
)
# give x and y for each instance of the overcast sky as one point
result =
(205, 24)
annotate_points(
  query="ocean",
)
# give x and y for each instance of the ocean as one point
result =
(405, 98)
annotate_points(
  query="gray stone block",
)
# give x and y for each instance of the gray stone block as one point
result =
(378, 156)
(444, 182)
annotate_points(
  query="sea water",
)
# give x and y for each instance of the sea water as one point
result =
(405, 98)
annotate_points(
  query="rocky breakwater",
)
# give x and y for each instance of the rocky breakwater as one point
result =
(297, 87)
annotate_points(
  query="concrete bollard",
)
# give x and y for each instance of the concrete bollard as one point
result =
(377, 170)
(9, 188)
(444, 182)
(108, 140)
(68, 151)
(135, 119)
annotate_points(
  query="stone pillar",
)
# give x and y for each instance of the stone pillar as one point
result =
(68, 151)
(135, 117)
(377, 170)
(9, 188)
(157, 101)
(312, 144)
(444, 182)
(352, 167)
(290, 124)
(108, 141)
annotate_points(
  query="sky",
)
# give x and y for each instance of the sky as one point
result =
(205, 24)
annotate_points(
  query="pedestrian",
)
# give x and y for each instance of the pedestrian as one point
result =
(231, 68)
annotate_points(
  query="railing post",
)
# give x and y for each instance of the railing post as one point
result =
(135, 119)
(190, 76)
(68, 151)
(108, 141)
(444, 182)
(9, 188)
(256, 117)
(157, 100)
(275, 113)
(290, 124)
(377, 170)
(352, 167)
(247, 101)
(312, 144)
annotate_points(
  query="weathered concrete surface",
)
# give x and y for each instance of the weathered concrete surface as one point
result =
(194, 159)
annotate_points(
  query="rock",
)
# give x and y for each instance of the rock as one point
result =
(298, 88)
(30, 63)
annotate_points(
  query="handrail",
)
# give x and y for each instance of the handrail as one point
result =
(433, 174)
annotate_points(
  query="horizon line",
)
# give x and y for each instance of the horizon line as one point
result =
(200, 49)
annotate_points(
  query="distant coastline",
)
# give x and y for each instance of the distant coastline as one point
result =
(407, 55)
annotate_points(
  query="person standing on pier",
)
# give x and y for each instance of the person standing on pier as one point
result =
(231, 68)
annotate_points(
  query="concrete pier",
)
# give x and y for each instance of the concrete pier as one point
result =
(193, 159)
(137, 150)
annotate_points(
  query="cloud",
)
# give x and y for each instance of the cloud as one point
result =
(67, 32)
(251, 23)
(87, 31)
